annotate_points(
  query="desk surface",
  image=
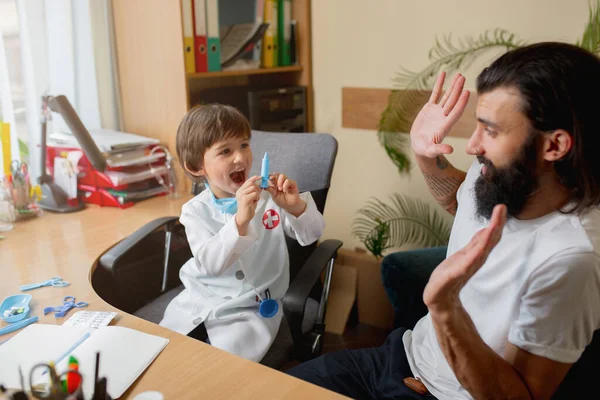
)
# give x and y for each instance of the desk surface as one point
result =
(68, 245)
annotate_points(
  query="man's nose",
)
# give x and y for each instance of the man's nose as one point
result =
(474, 146)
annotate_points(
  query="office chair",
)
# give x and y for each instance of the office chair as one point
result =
(579, 381)
(140, 275)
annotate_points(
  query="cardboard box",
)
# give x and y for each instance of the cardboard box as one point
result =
(374, 307)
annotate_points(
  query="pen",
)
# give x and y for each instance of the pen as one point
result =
(70, 350)
(17, 325)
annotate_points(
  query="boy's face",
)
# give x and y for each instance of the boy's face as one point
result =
(227, 165)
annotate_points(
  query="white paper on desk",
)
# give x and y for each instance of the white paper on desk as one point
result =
(37, 343)
(90, 319)
(124, 354)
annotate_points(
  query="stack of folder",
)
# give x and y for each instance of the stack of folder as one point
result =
(202, 46)
(203, 39)
(277, 44)
(131, 172)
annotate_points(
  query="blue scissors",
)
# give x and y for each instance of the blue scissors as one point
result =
(68, 303)
(57, 281)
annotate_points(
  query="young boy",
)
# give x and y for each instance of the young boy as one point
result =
(236, 233)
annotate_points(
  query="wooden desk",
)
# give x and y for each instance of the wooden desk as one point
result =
(68, 245)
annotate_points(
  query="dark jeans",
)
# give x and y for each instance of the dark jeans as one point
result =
(375, 373)
(404, 276)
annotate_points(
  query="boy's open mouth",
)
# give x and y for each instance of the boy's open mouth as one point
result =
(238, 176)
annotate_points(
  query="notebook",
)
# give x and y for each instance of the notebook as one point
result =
(124, 354)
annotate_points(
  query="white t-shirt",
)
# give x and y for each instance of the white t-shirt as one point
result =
(539, 290)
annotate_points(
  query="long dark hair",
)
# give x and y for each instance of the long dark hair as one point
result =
(559, 85)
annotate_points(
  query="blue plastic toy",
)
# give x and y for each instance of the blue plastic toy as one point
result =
(15, 308)
(264, 172)
(56, 282)
(61, 311)
(17, 325)
(268, 308)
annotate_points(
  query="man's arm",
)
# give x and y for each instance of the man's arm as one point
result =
(427, 133)
(486, 375)
(482, 372)
(443, 180)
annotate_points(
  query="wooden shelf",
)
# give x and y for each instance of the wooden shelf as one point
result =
(244, 72)
(152, 105)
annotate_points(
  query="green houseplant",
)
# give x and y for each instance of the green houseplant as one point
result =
(405, 220)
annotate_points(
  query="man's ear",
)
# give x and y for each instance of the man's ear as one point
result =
(557, 144)
(199, 172)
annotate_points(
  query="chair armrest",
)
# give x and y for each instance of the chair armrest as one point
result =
(109, 259)
(295, 298)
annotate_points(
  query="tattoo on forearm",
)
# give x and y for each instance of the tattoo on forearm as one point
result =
(441, 162)
(442, 187)
(449, 203)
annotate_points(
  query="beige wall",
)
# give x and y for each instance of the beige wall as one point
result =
(363, 43)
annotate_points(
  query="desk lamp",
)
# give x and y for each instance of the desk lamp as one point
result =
(53, 197)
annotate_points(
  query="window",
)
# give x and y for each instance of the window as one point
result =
(12, 88)
(54, 47)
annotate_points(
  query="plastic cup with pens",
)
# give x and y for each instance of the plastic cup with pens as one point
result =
(17, 196)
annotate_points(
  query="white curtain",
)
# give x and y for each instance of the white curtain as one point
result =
(10, 92)
(67, 48)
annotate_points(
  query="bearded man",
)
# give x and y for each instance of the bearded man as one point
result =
(517, 298)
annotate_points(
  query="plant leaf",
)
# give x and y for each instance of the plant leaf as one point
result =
(403, 105)
(591, 35)
(405, 220)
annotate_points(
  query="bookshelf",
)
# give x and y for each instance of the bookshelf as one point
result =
(155, 91)
(258, 71)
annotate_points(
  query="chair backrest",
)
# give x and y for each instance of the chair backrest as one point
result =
(308, 158)
(134, 277)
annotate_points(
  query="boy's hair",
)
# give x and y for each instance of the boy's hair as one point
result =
(202, 127)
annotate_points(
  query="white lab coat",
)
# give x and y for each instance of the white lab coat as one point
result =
(218, 279)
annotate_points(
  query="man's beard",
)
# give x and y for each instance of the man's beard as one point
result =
(510, 185)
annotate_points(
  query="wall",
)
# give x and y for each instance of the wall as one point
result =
(364, 43)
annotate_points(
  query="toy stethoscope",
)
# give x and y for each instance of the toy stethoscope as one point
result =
(267, 307)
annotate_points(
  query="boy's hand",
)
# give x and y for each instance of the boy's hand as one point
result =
(247, 198)
(285, 194)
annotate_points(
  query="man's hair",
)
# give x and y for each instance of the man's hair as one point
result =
(559, 84)
(202, 127)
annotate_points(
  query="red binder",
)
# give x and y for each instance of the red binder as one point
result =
(200, 33)
(103, 198)
(92, 195)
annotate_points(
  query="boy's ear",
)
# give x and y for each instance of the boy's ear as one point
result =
(199, 172)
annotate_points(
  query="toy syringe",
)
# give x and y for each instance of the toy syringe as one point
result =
(264, 172)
